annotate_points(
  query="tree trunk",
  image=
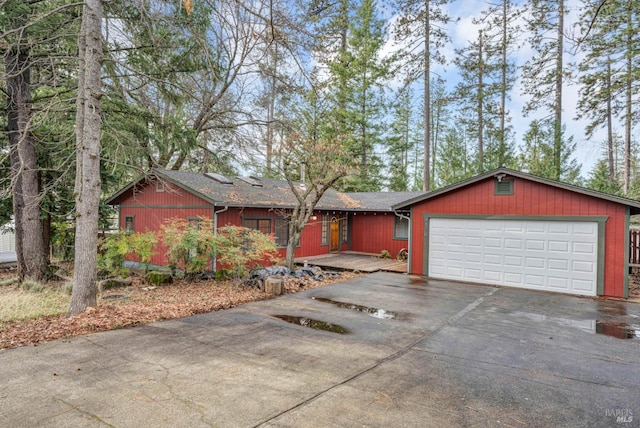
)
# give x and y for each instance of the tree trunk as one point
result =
(291, 249)
(480, 105)
(626, 185)
(426, 183)
(610, 147)
(88, 158)
(31, 257)
(503, 87)
(557, 123)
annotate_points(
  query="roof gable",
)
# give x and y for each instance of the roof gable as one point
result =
(633, 204)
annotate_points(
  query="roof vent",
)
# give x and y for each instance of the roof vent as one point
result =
(218, 177)
(251, 180)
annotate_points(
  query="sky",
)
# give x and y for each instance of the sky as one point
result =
(463, 31)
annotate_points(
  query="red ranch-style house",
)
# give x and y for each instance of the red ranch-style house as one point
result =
(503, 227)
(358, 222)
(509, 228)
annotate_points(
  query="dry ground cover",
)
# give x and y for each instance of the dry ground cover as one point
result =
(134, 305)
(126, 307)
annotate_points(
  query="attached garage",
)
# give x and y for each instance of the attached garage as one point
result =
(539, 254)
(513, 229)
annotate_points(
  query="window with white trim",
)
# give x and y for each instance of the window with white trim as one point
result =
(401, 228)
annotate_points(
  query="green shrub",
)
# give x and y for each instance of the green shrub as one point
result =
(116, 247)
(190, 245)
(158, 278)
(222, 274)
(241, 247)
(384, 254)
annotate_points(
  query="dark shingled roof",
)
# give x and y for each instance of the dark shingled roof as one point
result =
(381, 201)
(271, 194)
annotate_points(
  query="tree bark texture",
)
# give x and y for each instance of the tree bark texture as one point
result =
(557, 121)
(426, 178)
(88, 158)
(31, 256)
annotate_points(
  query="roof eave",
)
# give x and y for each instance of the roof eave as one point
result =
(570, 187)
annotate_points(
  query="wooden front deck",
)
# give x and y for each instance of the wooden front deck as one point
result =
(355, 262)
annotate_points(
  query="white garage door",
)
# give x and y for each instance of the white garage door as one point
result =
(543, 255)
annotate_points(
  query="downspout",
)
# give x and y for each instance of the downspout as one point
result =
(408, 238)
(215, 231)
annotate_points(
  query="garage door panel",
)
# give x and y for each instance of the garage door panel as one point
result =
(535, 227)
(584, 248)
(492, 259)
(561, 228)
(581, 285)
(535, 280)
(580, 266)
(473, 241)
(535, 262)
(473, 274)
(558, 246)
(558, 264)
(514, 244)
(545, 255)
(584, 228)
(492, 275)
(511, 278)
(535, 245)
(493, 242)
(455, 272)
(512, 261)
(561, 284)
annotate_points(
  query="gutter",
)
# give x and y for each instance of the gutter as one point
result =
(215, 231)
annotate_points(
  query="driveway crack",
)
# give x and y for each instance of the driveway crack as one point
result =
(392, 357)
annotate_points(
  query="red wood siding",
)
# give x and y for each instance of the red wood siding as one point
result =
(529, 199)
(372, 233)
(151, 209)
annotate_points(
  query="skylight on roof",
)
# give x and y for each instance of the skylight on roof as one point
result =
(251, 180)
(218, 177)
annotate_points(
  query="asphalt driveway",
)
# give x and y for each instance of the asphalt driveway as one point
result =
(386, 350)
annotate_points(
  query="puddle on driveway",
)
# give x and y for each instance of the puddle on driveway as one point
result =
(374, 312)
(314, 324)
(616, 329)
(608, 328)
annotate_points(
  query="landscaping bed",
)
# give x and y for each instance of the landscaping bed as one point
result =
(139, 304)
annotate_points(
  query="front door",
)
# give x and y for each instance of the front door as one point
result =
(334, 244)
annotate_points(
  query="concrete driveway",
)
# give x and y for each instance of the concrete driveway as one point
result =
(416, 353)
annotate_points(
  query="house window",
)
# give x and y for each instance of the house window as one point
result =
(282, 231)
(159, 186)
(345, 230)
(261, 224)
(324, 233)
(503, 187)
(128, 224)
(401, 228)
(194, 222)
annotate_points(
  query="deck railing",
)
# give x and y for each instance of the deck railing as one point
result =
(634, 247)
